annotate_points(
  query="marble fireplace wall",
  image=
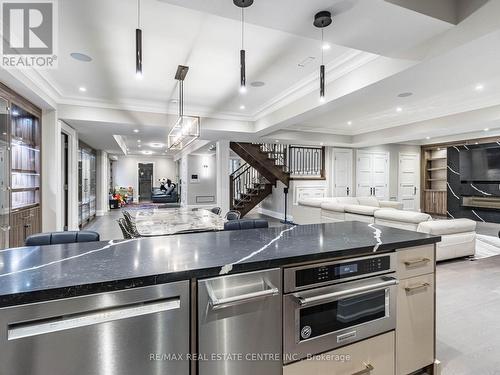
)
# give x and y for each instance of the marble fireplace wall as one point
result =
(457, 189)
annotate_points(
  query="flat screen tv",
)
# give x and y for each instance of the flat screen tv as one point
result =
(480, 165)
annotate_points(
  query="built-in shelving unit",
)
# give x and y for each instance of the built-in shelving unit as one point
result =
(434, 174)
(20, 168)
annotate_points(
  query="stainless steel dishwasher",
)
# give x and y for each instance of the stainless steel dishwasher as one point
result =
(239, 324)
(135, 331)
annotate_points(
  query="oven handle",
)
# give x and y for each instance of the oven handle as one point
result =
(304, 301)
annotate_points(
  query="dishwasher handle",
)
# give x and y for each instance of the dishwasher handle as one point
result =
(304, 301)
(220, 303)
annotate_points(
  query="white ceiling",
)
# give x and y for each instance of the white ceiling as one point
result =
(378, 50)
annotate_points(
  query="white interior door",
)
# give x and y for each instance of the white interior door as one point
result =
(408, 191)
(380, 180)
(342, 173)
(364, 166)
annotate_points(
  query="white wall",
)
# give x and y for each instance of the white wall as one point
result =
(205, 167)
(125, 170)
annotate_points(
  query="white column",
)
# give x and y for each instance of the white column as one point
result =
(222, 165)
(72, 176)
(184, 179)
(52, 219)
(102, 181)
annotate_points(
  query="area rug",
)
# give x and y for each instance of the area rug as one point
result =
(486, 246)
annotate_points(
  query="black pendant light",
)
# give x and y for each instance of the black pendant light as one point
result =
(243, 78)
(138, 43)
(322, 20)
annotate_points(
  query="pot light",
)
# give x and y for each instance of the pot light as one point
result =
(82, 89)
(479, 87)
(242, 107)
(399, 109)
(136, 130)
(156, 145)
(139, 141)
(147, 152)
(139, 145)
(427, 138)
(277, 141)
(349, 123)
(487, 129)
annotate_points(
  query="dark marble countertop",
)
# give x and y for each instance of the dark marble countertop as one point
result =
(30, 274)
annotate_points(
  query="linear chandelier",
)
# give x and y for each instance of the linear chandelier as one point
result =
(243, 79)
(186, 128)
(322, 20)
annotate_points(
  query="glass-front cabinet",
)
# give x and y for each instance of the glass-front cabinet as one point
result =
(86, 184)
(20, 168)
(4, 174)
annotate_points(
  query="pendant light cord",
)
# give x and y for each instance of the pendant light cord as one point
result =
(322, 46)
(242, 28)
(138, 14)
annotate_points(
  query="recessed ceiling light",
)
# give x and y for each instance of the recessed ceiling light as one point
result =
(487, 129)
(147, 152)
(82, 89)
(399, 109)
(479, 87)
(136, 130)
(242, 106)
(325, 46)
(349, 123)
(321, 143)
(257, 84)
(156, 145)
(427, 137)
(139, 140)
(277, 141)
(476, 143)
(405, 94)
(81, 56)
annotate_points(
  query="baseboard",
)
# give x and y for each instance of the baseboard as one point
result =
(100, 213)
(274, 214)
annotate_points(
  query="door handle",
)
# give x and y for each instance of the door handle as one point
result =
(23, 330)
(348, 191)
(416, 262)
(416, 287)
(303, 301)
(220, 303)
(368, 368)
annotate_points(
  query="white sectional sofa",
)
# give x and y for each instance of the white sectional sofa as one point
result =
(458, 236)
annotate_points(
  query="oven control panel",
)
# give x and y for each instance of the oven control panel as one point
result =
(356, 268)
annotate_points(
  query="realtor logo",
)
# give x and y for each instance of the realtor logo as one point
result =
(28, 34)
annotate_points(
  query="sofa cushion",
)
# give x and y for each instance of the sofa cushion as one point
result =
(402, 216)
(315, 202)
(368, 201)
(347, 200)
(360, 210)
(333, 206)
(442, 227)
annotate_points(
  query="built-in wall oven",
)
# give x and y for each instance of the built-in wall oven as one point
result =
(333, 304)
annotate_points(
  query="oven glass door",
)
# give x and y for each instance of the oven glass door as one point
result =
(343, 313)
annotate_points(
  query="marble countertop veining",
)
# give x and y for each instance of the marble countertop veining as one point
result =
(30, 274)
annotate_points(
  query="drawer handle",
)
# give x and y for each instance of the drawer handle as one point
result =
(368, 368)
(416, 262)
(412, 288)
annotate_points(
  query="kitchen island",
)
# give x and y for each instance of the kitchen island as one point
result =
(220, 303)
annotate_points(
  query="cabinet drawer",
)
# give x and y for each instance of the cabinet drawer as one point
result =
(415, 261)
(415, 324)
(376, 354)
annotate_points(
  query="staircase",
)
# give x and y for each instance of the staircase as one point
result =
(266, 164)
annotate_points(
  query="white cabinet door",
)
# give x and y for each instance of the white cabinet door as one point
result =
(380, 173)
(342, 173)
(409, 181)
(364, 178)
(372, 174)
